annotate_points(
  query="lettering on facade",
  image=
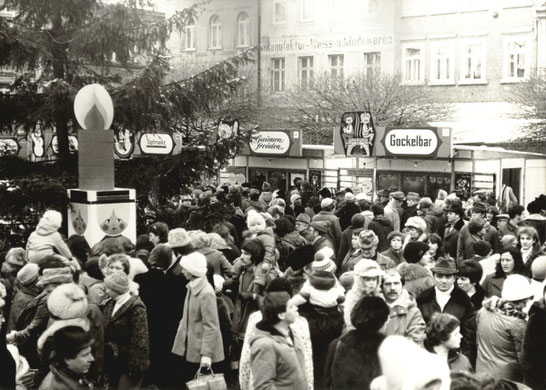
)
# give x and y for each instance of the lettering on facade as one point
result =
(317, 44)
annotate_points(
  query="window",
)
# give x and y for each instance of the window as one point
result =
(473, 61)
(516, 58)
(243, 30)
(277, 75)
(279, 12)
(336, 67)
(189, 36)
(372, 63)
(307, 8)
(306, 72)
(215, 32)
(412, 63)
(442, 66)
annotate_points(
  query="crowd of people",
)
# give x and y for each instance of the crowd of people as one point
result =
(326, 290)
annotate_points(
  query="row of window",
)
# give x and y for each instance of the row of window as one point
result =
(472, 61)
(472, 67)
(215, 33)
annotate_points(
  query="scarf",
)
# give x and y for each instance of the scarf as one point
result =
(509, 309)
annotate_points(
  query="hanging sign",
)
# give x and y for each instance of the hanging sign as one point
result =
(153, 143)
(414, 142)
(124, 143)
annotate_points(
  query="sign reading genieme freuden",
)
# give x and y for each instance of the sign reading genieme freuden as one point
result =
(275, 143)
(409, 142)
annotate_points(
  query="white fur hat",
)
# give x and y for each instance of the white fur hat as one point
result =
(253, 215)
(67, 301)
(195, 263)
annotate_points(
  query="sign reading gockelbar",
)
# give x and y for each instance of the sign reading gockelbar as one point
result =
(434, 142)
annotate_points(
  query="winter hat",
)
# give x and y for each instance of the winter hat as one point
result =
(503, 216)
(479, 207)
(320, 226)
(178, 238)
(369, 314)
(394, 234)
(445, 266)
(300, 257)
(368, 268)
(266, 186)
(195, 263)
(161, 256)
(70, 340)
(349, 197)
(52, 218)
(323, 261)
(516, 287)
(325, 193)
(28, 274)
(67, 301)
(294, 198)
(539, 268)
(413, 196)
(160, 229)
(55, 275)
(347, 280)
(361, 196)
(117, 282)
(368, 239)
(377, 208)
(253, 215)
(303, 217)
(414, 251)
(16, 257)
(417, 222)
(398, 195)
(326, 202)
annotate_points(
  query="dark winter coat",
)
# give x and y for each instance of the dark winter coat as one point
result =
(7, 373)
(478, 297)
(434, 219)
(534, 346)
(492, 285)
(126, 338)
(305, 196)
(344, 245)
(460, 306)
(352, 361)
(345, 214)
(451, 238)
(397, 257)
(163, 295)
(381, 226)
(465, 241)
(410, 211)
(536, 252)
(24, 296)
(334, 226)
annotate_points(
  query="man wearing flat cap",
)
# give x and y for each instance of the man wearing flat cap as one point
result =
(319, 233)
(391, 209)
(446, 297)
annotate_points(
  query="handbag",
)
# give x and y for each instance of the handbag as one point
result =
(210, 381)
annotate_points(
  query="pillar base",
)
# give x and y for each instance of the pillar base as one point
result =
(96, 214)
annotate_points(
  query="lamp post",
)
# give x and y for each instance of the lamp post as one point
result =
(98, 208)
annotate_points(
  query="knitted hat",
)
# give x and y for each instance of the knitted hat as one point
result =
(413, 196)
(445, 266)
(516, 287)
(67, 301)
(414, 251)
(394, 234)
(368, 268)
(55, 275)
(538, 268)
(303, 217)
(323, 260)
(300, 257)
(16, 257)
(266, 186)
(320, 226)
(117, 282)
(161, 256)
(479, 207)
(369, 314)
(28, 274)
(349, 197)
(178, 238)
(70, 340)
(294, 198)
(416, 222)
(195, 263)
(326, 202)
(398, 195)
(368, 239)
(52, 218)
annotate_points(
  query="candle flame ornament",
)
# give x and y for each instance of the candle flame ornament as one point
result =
(93, 108)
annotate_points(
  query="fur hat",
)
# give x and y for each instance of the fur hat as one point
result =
(326, 202)
(516, 287)
(394, 234)
(161, 256)
(303, 217)
(368, 239)
(369, 314)
(320, 226)
(539, 268)
(28, 274)
(67, 301)
(52, 218)
(55, 275)
(266, 186)
(417, 222)
(16, 257)
(349, 197)
(294, 198)
(178, 238)
(117, 282)
(300, 257)
(253, 215)
(368, 268)
(323, 260)
(414, 251)
(195, 263)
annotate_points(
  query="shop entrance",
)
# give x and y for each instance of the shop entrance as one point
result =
(280, 179)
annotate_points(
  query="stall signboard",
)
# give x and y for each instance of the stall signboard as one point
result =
(433, 142)
(275, 143)
(155, 143)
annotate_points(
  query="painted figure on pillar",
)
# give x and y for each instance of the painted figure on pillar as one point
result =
(113, 225)
(357, 133)
(79, 224)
